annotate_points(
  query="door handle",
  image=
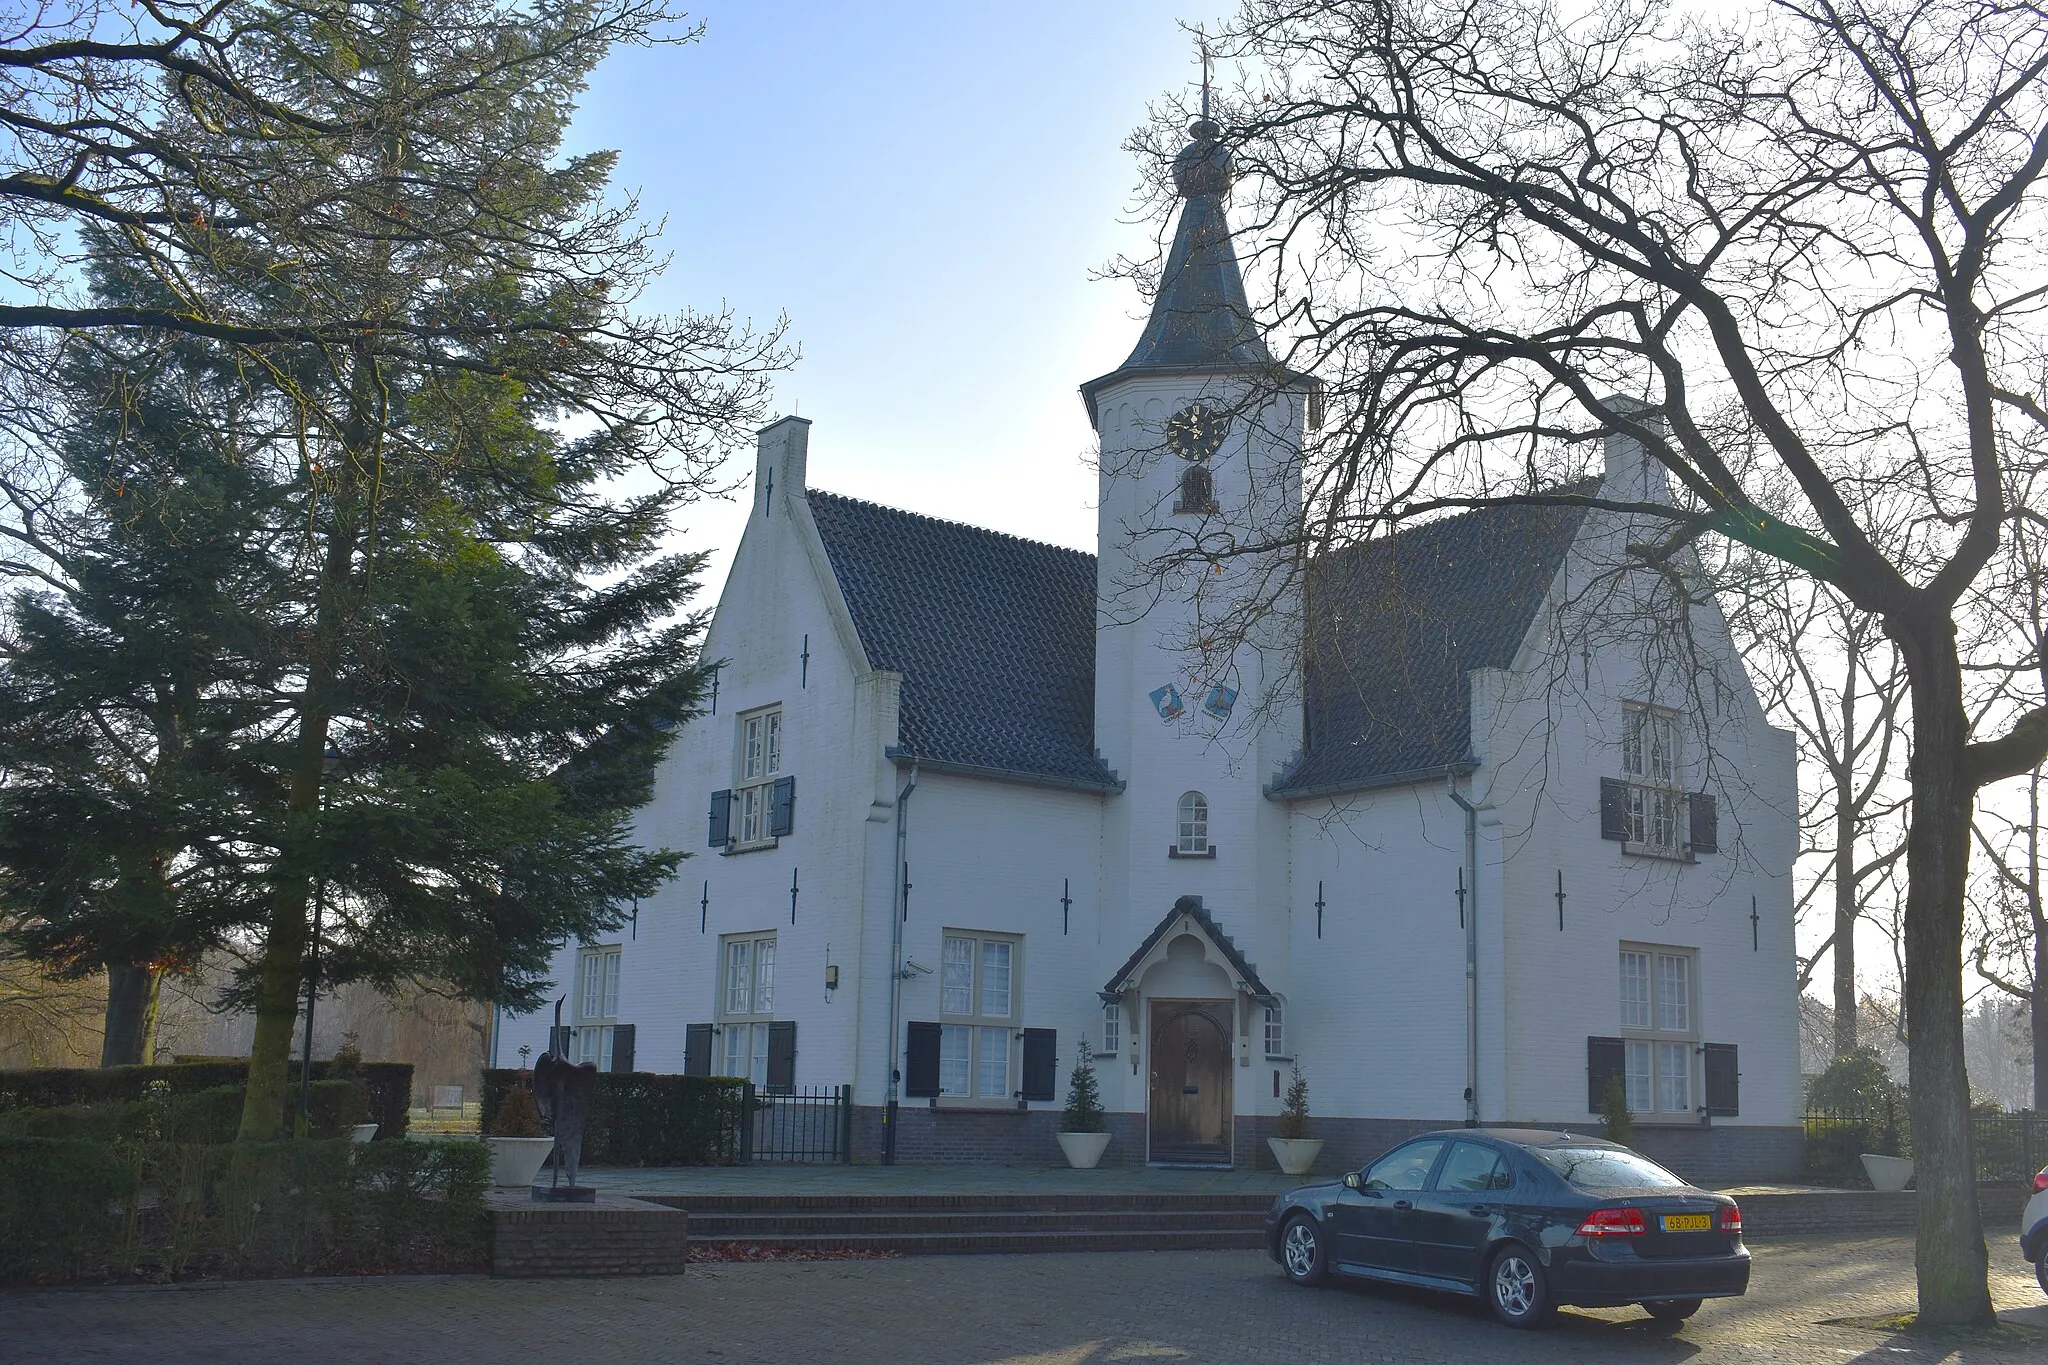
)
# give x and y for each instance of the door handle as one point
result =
(1403, 1204)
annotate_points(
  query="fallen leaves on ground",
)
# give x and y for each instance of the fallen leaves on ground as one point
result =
(749, 1251)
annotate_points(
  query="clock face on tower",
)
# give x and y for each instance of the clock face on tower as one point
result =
(1195, 432)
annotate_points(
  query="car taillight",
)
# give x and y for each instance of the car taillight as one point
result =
(2041, 1180)
(1613, 1223)
(1731, 1220)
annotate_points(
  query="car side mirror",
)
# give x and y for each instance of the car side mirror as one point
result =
(1353, 1181)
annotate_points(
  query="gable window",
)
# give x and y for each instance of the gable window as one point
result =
(597, 1005)
(1192, 827)
(760, 763)
(978, 1014)
(1659, 1028)
(1647, 808)
(746, 1005)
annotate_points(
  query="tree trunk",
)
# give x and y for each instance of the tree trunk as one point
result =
(1845, 918)
(132, 991)
(1950, 1257)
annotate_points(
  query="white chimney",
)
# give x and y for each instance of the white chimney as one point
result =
(782, 449)
(1633, 474)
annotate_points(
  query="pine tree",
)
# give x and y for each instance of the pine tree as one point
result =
(431, 675)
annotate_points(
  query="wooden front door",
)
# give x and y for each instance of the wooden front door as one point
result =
(1190, 1109)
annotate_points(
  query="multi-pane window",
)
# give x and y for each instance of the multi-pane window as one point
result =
(747, 1002)
(1194, 824)
(978, 1014)
(1112, 1030)
(1660, 1027)
(760, 764)
(1655, 802)
(597, 1005)
(1276, 1029)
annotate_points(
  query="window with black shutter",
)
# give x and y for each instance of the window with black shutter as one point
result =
(921, 1061)
(782, 807)
(721, 818)
(697, 1050)
(1605, 1059)
(781, 1057)
(1613, 808)
(1040, 1063)
(1703, 822)
(1724, 1081)
(622, 1047)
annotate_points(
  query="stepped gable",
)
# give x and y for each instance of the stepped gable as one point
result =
(1395, 626)
(994, 637)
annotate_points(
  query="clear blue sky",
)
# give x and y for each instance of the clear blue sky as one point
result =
(925, 189)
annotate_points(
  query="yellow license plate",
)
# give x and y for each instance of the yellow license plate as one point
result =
(1688, 1222)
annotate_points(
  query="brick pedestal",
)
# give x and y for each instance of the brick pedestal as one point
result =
(614, 1236)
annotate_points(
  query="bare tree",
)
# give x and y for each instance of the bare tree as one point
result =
(1807, 237)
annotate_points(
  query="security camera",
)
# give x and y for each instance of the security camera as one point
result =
(912, 967)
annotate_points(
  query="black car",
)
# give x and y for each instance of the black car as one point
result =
(1527, 1220)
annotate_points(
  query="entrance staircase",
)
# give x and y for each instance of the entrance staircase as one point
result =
(942, 1224)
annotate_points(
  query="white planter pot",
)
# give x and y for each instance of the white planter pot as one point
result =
(1887, 1172)
(1295, 1155)
(1083, 1149)
(516, 1161)
(362, 1132)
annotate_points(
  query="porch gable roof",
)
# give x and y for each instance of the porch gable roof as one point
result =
(1187, 910)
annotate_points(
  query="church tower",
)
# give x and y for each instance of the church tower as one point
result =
(1197, 702)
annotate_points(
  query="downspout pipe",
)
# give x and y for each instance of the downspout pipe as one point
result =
(899, 909)
(1471, 949)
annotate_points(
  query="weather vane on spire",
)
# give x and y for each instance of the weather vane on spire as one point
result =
(1202, 46)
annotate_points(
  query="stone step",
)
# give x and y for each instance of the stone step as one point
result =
(736, 1226)
(1248, 1202)
(970, 1243)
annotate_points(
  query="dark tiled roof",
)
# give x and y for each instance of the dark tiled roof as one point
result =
(994, 637)
(1395, 626)
(1190, 906)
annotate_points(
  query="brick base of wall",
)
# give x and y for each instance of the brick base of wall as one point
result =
(1861, 1213)
(611, 1237)
(1719, 1155)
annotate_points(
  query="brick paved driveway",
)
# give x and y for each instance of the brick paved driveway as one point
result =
(1046, 1310)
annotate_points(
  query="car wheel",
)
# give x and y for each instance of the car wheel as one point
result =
(2041, 1270)
(1515, 1289)
(1302, 1253)
(1672, 1310)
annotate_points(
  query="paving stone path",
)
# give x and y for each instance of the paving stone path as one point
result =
(1062, 1309)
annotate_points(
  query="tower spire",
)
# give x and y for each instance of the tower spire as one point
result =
(1202, 46)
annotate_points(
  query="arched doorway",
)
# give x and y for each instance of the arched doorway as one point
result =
(1189, 1114)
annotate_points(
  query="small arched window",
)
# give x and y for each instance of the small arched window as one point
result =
(1194, 825)
(1197, 492)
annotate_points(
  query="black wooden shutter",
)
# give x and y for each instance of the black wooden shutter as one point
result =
(1704, 823)
(782, 808)
(1613, 808)
(921, 1061)
(622, 1047)
(697, 1050)
(1606, 1058)
(721, 818)
(781, 1057)
(1724, 1082)
(1041, 1063)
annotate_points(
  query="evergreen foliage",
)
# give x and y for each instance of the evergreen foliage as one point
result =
(517, 1116)
(1083, 1113)
(1617, 1123)
(1294, 1107)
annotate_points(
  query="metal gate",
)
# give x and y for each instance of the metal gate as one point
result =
(810, 1124)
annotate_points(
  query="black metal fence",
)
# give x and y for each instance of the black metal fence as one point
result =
(2007, 1147)
(809, 1124)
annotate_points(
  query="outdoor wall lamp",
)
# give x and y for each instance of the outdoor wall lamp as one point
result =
(831, 976)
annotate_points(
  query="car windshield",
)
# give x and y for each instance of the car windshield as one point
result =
(1604, 1168)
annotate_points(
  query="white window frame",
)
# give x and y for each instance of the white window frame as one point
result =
(1112, 1030)
(1660, 1030)
(745, 1008)
(597, 1003)
(757, 763)
(1276, 1030)
(978, 1061)
(1652, 769)
(1191, 825)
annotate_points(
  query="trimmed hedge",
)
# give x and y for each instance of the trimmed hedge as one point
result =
(640, 1118)
(75, 1210)
(202, 1116)
(389, 1085)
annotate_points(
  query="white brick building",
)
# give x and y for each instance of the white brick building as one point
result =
(976, 802)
